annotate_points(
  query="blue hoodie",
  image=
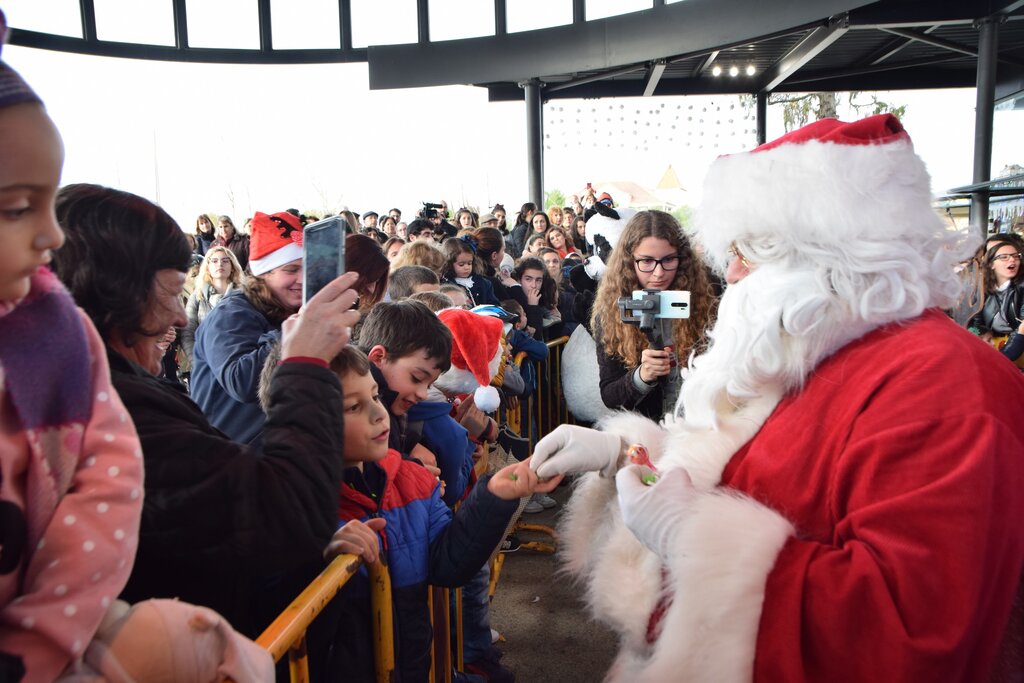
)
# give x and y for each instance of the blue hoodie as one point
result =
(448, 441)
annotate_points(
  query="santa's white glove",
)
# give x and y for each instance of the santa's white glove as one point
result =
(571, 450)
(655, 512)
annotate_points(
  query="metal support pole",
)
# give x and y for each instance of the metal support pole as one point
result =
(762, 117)
(988, 50)
(534, 141)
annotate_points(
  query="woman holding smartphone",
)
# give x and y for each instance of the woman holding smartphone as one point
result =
(234, 339)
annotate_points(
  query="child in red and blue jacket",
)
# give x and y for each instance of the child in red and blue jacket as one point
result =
(393, 507)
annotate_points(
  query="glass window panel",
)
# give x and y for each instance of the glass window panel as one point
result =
(306, 24)
(223, 23)
(60, 17)
(669, 2)
(150, 22)
(454, 19)
(599, 9)
(383, 22)
(527, 15)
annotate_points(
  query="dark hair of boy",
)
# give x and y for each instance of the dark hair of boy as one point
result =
(404, 280)
(435, 301)
(349, 359)
(513, 306)
(419, 225)
(405, 327)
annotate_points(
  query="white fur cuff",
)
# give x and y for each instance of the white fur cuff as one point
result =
(726, 549)
(634, 428)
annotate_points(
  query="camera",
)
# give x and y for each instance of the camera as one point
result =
(430, 210)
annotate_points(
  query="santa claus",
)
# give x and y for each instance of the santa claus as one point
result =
(838, 497)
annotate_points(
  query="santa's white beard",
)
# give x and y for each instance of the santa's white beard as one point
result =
(773, 327)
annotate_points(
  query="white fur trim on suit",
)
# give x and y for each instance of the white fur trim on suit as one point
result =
(726, 549)
(816, 193)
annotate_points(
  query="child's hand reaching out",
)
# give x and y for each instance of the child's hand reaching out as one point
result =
(518, 481)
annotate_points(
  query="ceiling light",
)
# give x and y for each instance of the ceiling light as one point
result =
(750, 69)
(734, 71)
(716, 70)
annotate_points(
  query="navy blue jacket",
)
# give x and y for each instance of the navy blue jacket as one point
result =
(448, 441)
(231, 346)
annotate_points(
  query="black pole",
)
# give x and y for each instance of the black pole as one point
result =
(762, 117)
(988, 51)
(423, 20)
(500, 18)
(534, 141)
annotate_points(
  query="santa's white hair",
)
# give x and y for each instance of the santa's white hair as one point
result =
(827, 267)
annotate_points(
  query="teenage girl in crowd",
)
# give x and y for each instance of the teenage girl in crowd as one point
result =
(558, 240)
(541, 296)
(463, 268)
(579, 235)
(652, 253)
(205, 234)
(1001, 319)
(490, 249)
(517, 238)
(232, 344)
(364, 256)
(219, 274)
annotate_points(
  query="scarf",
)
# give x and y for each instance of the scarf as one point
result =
(46, 371)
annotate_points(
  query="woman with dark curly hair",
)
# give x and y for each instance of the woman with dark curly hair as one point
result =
(652, 253)
(232, 343)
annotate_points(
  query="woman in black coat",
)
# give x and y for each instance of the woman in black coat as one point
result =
(223, 525)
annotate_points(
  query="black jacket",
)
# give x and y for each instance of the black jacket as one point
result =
(223, 525)
(618, 389)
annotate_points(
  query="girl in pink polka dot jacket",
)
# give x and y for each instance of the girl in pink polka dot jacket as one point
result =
(70, 467)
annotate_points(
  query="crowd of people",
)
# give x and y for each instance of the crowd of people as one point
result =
(184, 433)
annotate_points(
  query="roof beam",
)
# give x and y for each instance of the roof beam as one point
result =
(948, 45)
(653, 76)
(807, 49)
(636, 38)
(704, 63)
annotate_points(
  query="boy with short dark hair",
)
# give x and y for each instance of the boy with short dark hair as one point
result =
(408, 280)
(423, 540)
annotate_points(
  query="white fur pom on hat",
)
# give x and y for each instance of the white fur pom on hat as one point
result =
(821, 185)
(477, 353)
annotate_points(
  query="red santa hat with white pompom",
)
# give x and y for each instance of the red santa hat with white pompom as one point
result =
(478, 349)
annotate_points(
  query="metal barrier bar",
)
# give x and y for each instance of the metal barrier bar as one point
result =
(382, 621)
(290, 626)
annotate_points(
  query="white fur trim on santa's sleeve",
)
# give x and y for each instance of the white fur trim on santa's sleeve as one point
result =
(725, 551)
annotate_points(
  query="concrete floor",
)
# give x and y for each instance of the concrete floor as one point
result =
(548, 634)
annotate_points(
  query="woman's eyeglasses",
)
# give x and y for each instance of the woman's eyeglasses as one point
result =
(1007, 257)
(648, 265)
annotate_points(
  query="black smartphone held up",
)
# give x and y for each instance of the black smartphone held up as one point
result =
(323, 254)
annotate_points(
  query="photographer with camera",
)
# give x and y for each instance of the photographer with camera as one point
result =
(652, 253)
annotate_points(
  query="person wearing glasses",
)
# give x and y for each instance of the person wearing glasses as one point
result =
(652, 253)
(219, 274)
(1001, 319)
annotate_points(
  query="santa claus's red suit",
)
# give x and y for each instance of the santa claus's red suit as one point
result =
(838, 497)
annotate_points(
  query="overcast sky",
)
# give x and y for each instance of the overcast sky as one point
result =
(234, 139)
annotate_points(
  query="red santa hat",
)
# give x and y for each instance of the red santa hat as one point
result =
(276, 240)
(477, 352)
(821, 186)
